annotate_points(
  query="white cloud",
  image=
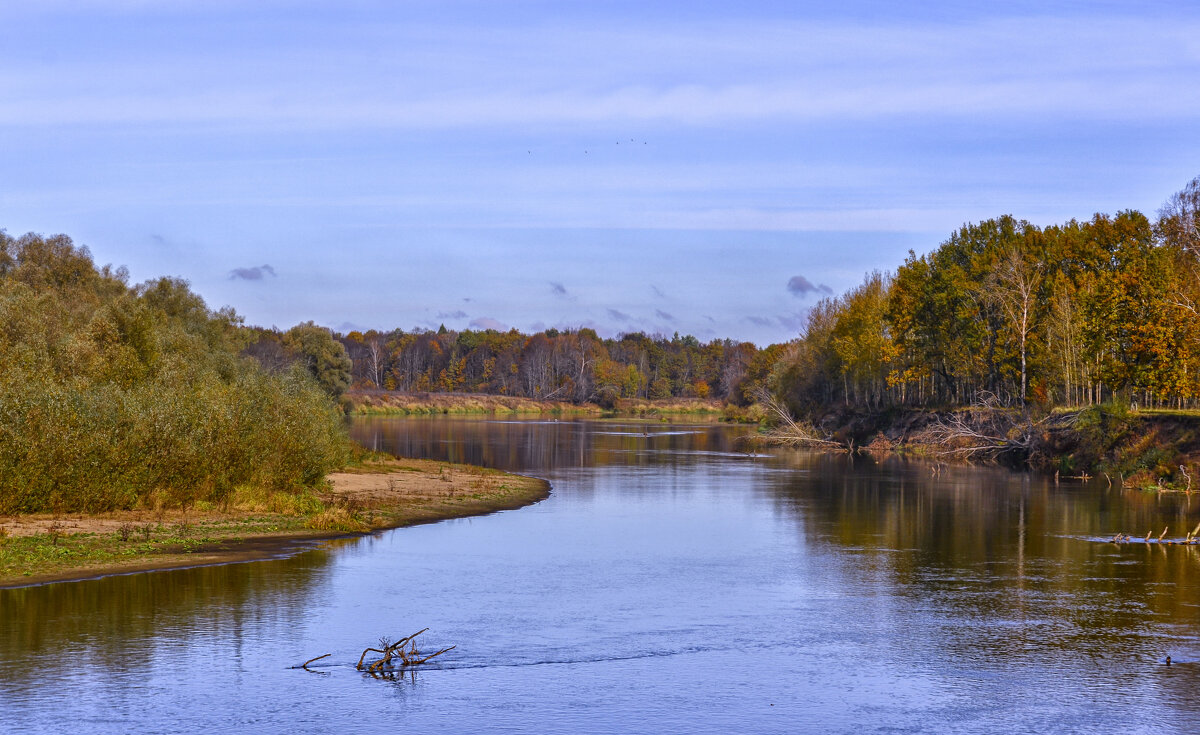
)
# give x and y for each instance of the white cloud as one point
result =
(1113, 69)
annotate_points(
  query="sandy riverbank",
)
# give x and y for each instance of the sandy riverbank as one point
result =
(377, 495)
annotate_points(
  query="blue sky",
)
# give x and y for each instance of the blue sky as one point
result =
(627, 166)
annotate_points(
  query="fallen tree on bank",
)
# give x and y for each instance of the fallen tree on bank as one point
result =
(989, 431)
(791, 432)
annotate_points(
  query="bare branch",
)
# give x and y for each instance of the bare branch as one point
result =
(987, 430)
(318, 658)
(405, 650)
(791, 432)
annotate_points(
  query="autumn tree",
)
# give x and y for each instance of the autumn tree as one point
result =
(861, 342)
(1015, 284)
(323, 356)
(1179, 219)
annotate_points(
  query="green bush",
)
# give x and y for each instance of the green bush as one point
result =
(115, 397)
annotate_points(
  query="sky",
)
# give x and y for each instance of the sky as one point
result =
(703, 168)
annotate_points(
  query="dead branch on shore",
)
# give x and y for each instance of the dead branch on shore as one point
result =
(988, 430)
(790, 432)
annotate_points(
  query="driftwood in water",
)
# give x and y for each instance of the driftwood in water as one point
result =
(318, 658)
(399, 656)
(1192, 539)
(404, 651)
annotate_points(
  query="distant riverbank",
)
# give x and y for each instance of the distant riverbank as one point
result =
(386, 493)
(1148, 449)
(373, 402)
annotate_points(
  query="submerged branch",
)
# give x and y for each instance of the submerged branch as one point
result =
(318, 658)
(404, 650)
(393, 657)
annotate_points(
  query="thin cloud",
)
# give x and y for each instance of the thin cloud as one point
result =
(619, 315)
(801, 286)
(657, 291)
(751, 71)
(558, 289)
(793, 322)
(173, 246)
(664, 315)
(761, 321)
(485, 322)
(1031, 63)
(255, 273)
(458, 314)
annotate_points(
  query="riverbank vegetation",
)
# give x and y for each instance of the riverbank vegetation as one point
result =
(994, 343)
(369, 402)
(117, 397)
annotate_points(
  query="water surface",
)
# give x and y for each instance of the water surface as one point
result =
(671, 583)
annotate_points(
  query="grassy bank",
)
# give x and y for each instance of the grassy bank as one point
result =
(368, 403)
(667, 407)
(371, 495)
(371, 403)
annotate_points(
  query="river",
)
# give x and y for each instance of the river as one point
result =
(672, 583)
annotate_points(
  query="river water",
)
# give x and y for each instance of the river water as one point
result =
(670, 584)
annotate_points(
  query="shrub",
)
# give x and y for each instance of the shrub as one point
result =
(115, 397)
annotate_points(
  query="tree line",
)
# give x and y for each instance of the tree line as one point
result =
(574, 365)
(1074, 314)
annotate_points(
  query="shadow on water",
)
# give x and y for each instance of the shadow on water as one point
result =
(128, 623)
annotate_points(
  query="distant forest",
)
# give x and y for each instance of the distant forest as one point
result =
(572, 365)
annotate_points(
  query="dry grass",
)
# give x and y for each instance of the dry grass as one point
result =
(420, 404)
(667, 406)
(338, 520)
